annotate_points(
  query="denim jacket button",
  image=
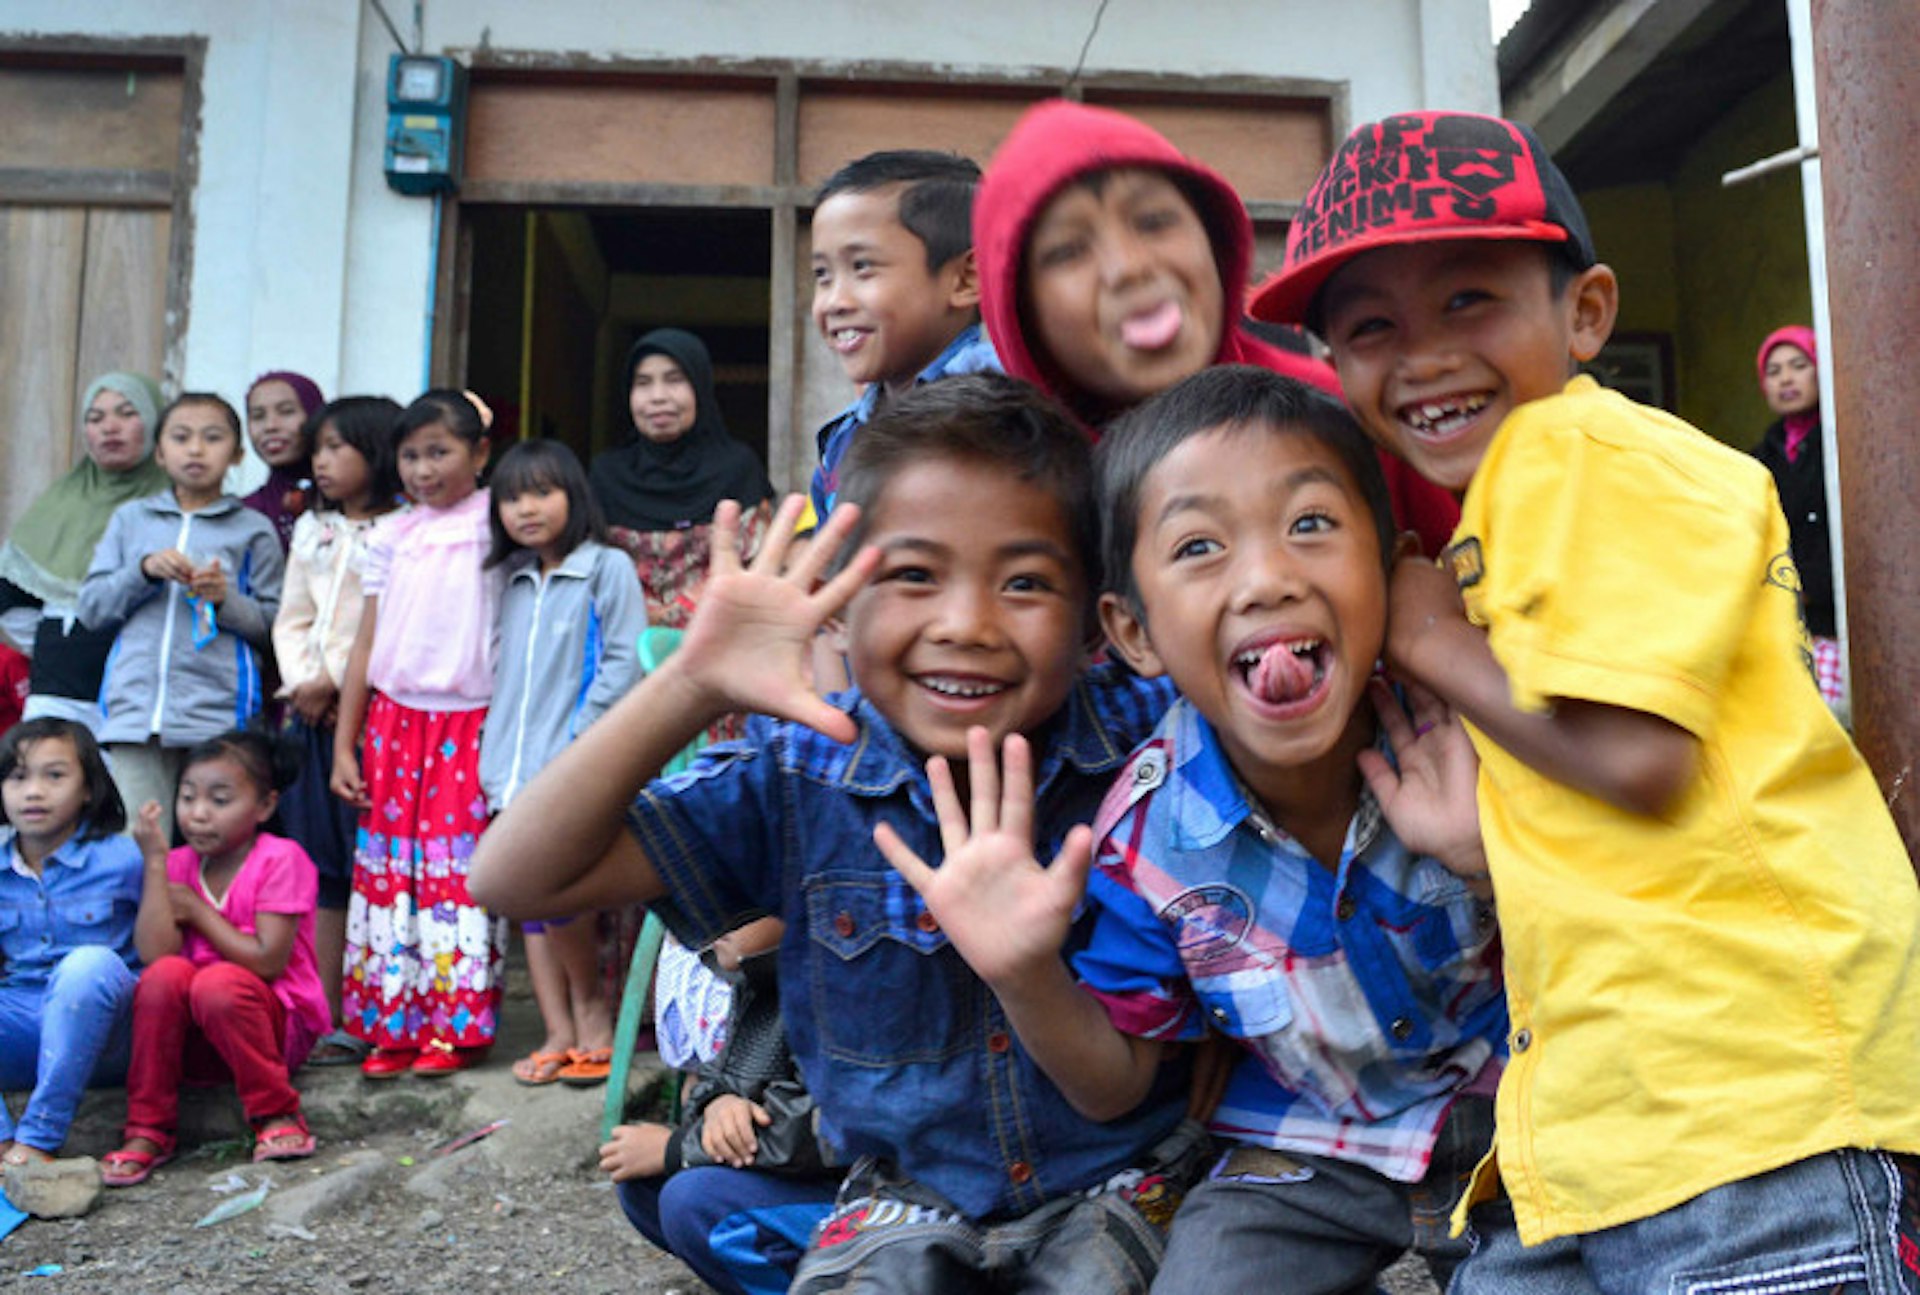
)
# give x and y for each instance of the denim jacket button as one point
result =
(1401, 1029)
(1344, 909)
(926, 922)
(1019, 1171)
(998, 1041)
(843, 925)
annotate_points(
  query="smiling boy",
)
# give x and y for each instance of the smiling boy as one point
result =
(894, 289)
(969, 606)
(1712, 933)
(1247, 879)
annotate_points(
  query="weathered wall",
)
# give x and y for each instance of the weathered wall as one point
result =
(304, 259)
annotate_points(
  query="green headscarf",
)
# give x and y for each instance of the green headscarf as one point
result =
(51, 546)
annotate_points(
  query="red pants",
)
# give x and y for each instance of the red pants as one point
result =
(201, 1025)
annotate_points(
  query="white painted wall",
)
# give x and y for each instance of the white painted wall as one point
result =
(304, 259)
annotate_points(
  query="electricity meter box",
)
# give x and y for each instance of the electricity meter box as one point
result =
(426, 123)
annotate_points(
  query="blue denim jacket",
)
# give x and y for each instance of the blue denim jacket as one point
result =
(88, 892)
(906, 1051)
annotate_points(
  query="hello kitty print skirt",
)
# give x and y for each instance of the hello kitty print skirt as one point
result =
(424, 962)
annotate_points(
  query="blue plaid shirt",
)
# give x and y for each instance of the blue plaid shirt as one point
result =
(88, 892)
(968, 352)
(906, 1051)
(1367, 998)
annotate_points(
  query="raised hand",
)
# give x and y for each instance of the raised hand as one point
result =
(749, 645)
(146, 835)
(999, 907)
(1431, 801)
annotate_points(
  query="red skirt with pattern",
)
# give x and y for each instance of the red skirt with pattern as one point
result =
(423, 961)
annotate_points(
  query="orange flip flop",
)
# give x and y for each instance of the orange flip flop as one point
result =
(537, 1069)
(587, 1067)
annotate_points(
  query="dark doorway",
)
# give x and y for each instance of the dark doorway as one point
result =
(556, 296)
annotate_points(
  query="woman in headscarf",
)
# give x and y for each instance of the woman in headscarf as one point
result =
(46, 557)
(278, 406)
(659, 490)
(1790, 381)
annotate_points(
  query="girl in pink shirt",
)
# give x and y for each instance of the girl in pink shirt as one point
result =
(424, 962)
(225, 928)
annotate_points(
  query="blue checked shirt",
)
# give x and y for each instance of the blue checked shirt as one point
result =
(905, 1050)
(968, 352)
(88, 892)
(1367, 999)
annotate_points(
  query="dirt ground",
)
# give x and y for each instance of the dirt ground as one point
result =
(382, 1207)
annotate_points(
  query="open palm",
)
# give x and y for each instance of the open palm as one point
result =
(1001, 909)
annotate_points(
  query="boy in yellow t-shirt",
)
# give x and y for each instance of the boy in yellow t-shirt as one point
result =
(1709, 920)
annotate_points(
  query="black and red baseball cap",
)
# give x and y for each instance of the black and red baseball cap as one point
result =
(1422, 177)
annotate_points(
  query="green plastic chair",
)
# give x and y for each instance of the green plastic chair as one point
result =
(655, 646)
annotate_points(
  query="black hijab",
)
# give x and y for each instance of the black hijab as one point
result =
(647, 486)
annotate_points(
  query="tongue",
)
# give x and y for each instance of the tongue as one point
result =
(1281, 676)
(1153, 330)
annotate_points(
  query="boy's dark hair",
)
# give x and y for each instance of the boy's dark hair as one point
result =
(936, 204)
(105, 813)
(535, 467)
(441, 405)
(1236, 396)
(272, 761)
(211, 398)
(983, 418)
(367, 424)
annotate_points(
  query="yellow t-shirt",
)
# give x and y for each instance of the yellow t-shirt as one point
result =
(1698, 998)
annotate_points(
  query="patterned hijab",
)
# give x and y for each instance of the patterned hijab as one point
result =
(52, 544)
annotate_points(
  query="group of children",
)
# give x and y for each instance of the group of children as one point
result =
(321, 870)
(1119, 773)
(1136, 902)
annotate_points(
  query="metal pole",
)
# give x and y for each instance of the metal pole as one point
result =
(1868, 85)
(1806, 112)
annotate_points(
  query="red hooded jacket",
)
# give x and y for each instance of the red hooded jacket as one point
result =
(1058, 141)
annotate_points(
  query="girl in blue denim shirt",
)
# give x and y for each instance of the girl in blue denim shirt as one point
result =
(69, 890)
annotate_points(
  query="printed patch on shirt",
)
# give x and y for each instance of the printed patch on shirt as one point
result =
(1783, 574)
(870, 1214)
(1212, 921)
(1465, 561)
(1261, 1165)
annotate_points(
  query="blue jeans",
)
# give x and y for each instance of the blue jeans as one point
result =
(742, 1232)
(1839, 1222)
(61, 1038)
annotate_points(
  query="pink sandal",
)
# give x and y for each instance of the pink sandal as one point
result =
(290, 1132)
(130, 1166)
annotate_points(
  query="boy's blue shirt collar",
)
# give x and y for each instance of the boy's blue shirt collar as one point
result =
(1209, 800)
(879, 762)
(953, 360)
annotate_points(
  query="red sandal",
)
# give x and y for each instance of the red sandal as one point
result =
(290, 1134)
(389, 1063)
(130, 1166)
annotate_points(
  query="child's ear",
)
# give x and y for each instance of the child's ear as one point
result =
(1127, 635)
(962, 274)
(270, 803)
(1593, 298)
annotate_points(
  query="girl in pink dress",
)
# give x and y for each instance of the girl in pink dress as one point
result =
(424, 962)
(231, 990)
